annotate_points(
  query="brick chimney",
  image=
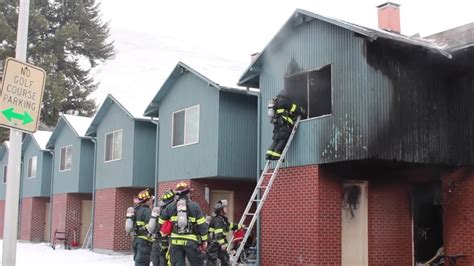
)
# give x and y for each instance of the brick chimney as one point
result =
(389, 17)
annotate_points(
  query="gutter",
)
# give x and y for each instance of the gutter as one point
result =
(259, 135)
(94, 140)
(51, 198)
(155, 185)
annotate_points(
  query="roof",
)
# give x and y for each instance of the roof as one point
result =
(301, 16)
(181, 68)
(41, 137)
(78, 124)
(109, 100)
(456, 38)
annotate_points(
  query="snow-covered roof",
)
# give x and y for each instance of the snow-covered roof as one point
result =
(7, 144)
(135, 106)
(42, 137)
(80, 124)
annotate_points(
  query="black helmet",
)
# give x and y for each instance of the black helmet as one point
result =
(221, 204)
(283, 93)
(167, 198)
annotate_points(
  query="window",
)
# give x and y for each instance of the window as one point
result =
(66, 158)
(31, 171)
(312, 90)
(185, 126)
(113, 146)
(5, 174)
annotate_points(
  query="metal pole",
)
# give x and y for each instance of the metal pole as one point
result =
(10, 229)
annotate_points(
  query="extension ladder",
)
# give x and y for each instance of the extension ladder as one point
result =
(87, 244)
(258, 202)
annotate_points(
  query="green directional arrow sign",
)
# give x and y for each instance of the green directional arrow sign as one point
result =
(10, 114)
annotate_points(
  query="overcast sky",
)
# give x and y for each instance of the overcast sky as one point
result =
(216, 37)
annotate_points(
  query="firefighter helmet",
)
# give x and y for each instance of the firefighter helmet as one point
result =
(221, 204)
(182, 188)
(144, 196)
(166, 198)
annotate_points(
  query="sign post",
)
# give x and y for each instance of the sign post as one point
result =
(20, 103)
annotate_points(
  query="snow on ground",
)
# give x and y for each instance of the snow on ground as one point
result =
(42, 254)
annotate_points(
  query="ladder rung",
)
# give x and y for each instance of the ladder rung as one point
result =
(256, 200)
(262, 187)
(250, 213)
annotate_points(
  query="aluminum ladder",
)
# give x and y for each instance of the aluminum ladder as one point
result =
(258, 202)
(87, 244)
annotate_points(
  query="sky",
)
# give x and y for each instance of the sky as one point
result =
(216, 37)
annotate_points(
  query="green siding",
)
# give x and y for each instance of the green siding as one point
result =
(115, 173)
(39, 186)
(340, 136)
(86, 166)
(3, 162)
(237, 135)
(196, 160)
(144, 154)
(67, 181)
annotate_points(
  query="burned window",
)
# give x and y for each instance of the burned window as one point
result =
(312, 90)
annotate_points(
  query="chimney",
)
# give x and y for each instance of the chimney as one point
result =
(389, 17)
(253, 57)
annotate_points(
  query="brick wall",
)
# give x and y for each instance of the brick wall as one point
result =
(310, 201)
(67, 214)
(390, 223)
(2, 216)
(242, 192)
(458, 213)
(33, 219)
(110, 208)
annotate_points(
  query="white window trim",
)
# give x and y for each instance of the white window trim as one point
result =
(64, 170)
(28, 167)
(4, 174)
(185, 117)
(113, 144)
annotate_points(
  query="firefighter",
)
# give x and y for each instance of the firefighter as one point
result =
(160, 248)
(283, 112)
(137, 219)
(189, 233)
(218, 231)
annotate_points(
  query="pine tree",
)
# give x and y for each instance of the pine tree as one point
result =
(67, 38)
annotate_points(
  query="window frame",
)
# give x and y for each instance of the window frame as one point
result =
(5, 171)
(28, 167)
(60, 157)
(113, 146)
(306, 72)
(198, 107)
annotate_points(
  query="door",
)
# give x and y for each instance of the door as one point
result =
(47, 222)
(86, 212)
(354, 224)
(217, 195)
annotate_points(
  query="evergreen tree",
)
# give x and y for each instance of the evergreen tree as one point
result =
(67, 38)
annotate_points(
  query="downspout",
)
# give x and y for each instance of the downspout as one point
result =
(259, 134)
(94, 140)
(21, 197)
(155, 185)
(51, 190)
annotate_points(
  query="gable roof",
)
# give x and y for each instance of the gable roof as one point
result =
(181, 68)
(301, 16)
(108, 102)
(41, 138)
(78, 124)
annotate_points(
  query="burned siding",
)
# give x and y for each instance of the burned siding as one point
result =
(414, 106)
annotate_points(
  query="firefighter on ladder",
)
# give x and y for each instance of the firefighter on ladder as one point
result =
(283, 112)
(136, 223)
(218, 231)
(189, 232)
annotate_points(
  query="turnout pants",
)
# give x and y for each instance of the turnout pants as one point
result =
(158, 254)
(141, 251)
(281, 134)
(223, 257)
(182, 249)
